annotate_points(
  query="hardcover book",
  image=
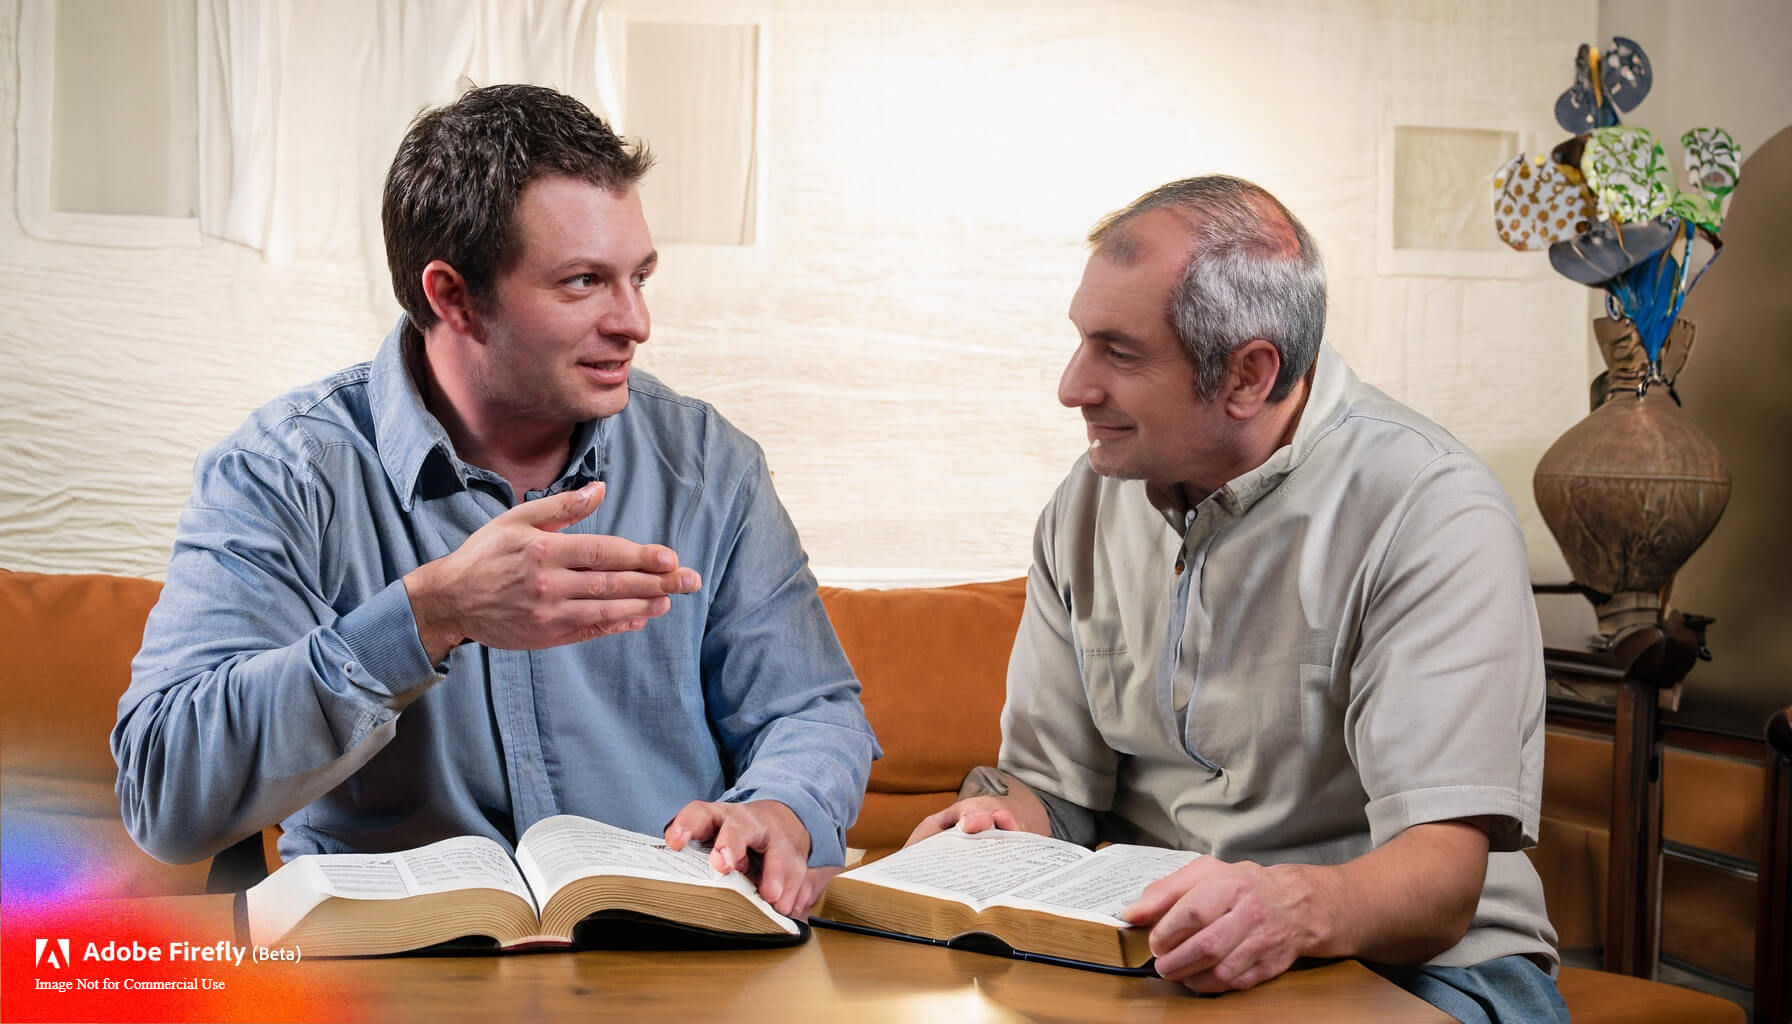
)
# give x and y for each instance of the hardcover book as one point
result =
(1010, 893)
(574, 883)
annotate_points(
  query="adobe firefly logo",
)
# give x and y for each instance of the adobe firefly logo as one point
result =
(47, 953)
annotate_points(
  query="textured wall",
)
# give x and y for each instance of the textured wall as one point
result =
(895, 339)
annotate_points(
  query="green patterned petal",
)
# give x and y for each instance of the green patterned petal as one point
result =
(1713, 162)
(1696, 209)
(1628, 172)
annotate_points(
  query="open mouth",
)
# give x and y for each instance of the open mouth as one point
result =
(609, 372)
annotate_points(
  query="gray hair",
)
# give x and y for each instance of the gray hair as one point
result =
(1253, 272)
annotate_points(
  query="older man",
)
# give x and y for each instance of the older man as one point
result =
(1276, 617)
(410, 601)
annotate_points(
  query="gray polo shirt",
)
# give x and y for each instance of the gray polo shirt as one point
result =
(1334, 646)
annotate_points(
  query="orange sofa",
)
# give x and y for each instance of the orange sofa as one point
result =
(932, 662)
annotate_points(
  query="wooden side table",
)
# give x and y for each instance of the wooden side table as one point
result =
(1635, 673)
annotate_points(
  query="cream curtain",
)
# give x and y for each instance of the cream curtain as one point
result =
(282, 174)
(122, 108)
(692, 94)
(238, 47)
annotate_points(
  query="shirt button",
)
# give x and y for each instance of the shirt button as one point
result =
(1180, 565)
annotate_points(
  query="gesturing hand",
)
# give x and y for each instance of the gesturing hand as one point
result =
(1219, 926)
(766, 826)
(518, 583)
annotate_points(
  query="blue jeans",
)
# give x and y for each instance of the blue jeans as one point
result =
(1510, 990)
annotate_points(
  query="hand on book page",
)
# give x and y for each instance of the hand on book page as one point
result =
(572, 878)
(1017, 810)
(739, 830)
(1043, 898)
(1218, 926)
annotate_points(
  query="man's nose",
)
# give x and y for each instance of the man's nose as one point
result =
(1077, 387)
(626, 315)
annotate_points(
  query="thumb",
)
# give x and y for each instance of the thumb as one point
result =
(558, 511)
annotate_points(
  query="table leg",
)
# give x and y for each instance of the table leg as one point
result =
(1633, 883)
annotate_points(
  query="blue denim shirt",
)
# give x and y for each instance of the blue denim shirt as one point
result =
(281, 678)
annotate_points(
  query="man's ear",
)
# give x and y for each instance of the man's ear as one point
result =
(449, 297)
(1251, 372)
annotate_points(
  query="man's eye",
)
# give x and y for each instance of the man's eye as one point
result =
(640, 280)
(1118, 356)
(582, 280)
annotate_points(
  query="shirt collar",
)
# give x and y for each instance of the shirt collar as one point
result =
(1327, 402)
(415, 449)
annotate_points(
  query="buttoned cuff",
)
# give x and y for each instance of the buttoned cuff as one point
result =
(382, 653)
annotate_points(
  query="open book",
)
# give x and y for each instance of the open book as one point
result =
(1039, 898)
(574, 882)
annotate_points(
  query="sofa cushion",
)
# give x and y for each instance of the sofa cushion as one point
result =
(933, 662)
(66, 644)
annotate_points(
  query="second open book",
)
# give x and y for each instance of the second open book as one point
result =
(574, 882)
(1041, 898)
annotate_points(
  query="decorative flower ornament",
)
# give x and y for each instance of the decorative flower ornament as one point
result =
(1628, 172)
(1604, 202)
(1713, 163)
(1537, 203)
(1603, 85)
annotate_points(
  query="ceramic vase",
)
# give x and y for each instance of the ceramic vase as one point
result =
(1631, 491)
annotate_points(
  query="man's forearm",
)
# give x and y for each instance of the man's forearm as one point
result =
(1031, 813)
(1404, 902)
(1069, 821)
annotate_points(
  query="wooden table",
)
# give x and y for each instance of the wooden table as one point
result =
(834, 976)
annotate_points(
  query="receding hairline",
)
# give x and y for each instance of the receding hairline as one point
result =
(1272, 224)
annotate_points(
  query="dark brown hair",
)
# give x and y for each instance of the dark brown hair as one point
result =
(452, 191)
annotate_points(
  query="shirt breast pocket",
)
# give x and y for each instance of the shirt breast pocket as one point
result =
(1264, 708)
(1122, 701)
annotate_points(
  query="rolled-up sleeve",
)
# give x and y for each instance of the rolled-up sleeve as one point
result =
(1447, 693)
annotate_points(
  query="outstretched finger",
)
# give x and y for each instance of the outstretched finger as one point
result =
(740, 833)
(613, 585)
(618, 554)
(1162, 894)
(781, 871)
(982, 819)
(610, 619)
(933, 824)
(814, 881)
(696, 821)
(558, 511)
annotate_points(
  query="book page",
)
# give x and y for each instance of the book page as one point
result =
(1099, 887)
(564, 848)
(970, 868)
(464, 862)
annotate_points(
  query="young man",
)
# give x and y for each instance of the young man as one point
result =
(411, 601)
(1278, 618)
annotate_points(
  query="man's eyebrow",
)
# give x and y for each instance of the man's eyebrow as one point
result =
(1109, 336)
(648, 262)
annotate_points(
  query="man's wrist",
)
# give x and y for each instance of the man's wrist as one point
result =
(1313, 893)
(437, 636)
